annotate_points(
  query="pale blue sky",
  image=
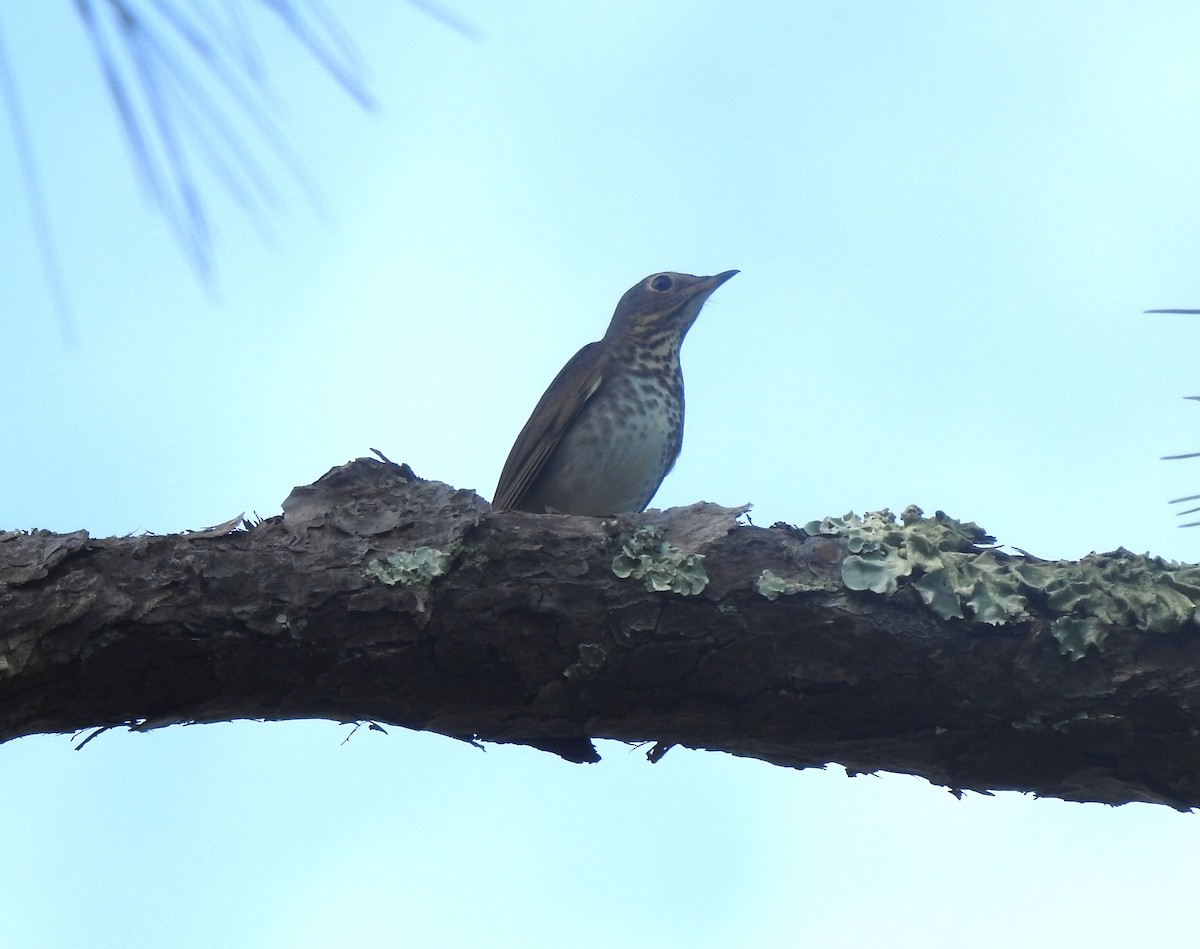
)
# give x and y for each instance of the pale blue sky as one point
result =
(948, 219)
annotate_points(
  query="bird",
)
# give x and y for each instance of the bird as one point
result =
(610, 426)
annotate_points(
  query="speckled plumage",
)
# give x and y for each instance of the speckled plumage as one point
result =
(610, 426)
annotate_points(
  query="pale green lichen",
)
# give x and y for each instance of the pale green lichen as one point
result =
(1076, 633)
(880, 571)
(1121, 588)
(884, 550)
(921, 537)
(980, 586)
(408, 567)
(1117, 589)
(592, 657)
(958, 577)
(646, 556)
(773, 587)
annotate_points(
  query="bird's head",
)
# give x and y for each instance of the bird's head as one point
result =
(663, 306)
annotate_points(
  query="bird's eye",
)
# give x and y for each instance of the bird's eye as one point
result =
(662, 282)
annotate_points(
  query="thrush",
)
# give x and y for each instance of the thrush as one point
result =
(609, 428)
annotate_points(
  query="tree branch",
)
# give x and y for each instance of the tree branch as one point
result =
(378, 596)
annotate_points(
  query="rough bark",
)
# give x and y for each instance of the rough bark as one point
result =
(380, 597)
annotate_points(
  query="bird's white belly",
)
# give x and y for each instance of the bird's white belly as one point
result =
(608, 468)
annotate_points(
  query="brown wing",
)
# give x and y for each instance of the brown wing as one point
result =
(556, 410)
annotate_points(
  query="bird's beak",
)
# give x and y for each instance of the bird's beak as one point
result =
(707, 285)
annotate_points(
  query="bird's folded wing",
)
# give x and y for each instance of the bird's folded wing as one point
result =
(557, 409)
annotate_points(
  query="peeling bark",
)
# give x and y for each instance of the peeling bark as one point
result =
(380, 597)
